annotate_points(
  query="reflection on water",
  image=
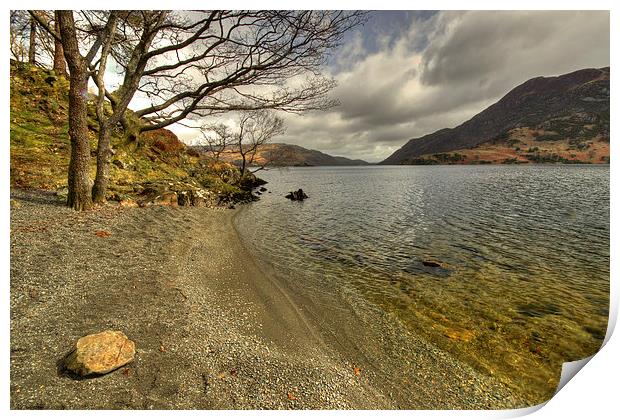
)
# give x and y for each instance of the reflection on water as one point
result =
(524, 278)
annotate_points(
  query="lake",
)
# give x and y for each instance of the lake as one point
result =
(523, 281)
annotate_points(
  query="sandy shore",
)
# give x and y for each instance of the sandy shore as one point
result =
(213, 330)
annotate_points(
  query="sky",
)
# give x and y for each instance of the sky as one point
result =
(405, 74)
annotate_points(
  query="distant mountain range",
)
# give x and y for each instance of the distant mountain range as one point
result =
(281, 154)
(546, 119)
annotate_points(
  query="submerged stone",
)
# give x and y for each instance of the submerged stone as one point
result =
(538, 309)
(459, 335)
(432, 267)
(431, 263)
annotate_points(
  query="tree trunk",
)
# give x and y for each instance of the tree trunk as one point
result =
(79, 182)
(104, 153)
(60, 66)
(33, 41)
(242, 164)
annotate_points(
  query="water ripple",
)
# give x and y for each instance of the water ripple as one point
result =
(526, 247)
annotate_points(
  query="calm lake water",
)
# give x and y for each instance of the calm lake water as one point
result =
(524, 282)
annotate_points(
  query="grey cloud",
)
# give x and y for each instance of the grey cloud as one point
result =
(516, 44)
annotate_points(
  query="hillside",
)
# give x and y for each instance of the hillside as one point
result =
(546, 119)
(153, 168)
(280, 154)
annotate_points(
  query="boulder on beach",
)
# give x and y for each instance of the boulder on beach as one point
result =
(168, 198)
(298, 195)
(100, 353)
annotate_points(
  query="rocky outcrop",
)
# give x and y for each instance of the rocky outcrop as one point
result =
(100, 353)
(188, 192)
(197, 198)
(169, 193)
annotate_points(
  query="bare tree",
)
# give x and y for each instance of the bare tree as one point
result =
(194, 65)
(255, 129)
(36, 46)
(198, 64)
(218, 137)
(146, 25)
(228, 61)
(107, 30)
(80, 185)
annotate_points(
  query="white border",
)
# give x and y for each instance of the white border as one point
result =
(592, 393)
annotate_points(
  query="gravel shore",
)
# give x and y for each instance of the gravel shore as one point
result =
(213, 330)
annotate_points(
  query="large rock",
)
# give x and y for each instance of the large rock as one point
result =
(184, 198)
(167, 198)
(298, 195)
(199, 198)
(128, 202)
(100, 353)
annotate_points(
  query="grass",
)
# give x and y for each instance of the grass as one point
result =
(40, 146)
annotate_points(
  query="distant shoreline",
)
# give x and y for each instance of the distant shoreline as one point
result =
(438, 164)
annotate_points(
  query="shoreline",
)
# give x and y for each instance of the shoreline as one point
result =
(412, 372)
(214, 329)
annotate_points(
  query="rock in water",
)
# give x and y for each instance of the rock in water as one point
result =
(100, 353)
(459, 335)
(431, 263)
(298, 195)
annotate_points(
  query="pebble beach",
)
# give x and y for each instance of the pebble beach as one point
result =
(212, 329)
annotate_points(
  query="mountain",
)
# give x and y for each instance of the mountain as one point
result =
(280, 154)
(546, 119)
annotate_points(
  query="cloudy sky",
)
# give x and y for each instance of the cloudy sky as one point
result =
(406, 74)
